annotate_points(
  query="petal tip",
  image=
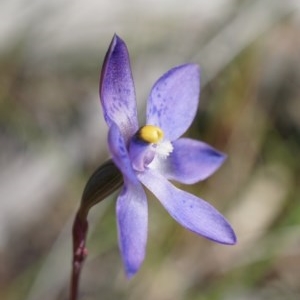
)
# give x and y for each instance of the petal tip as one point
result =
(232, 240)
(225, 236)
(116, 40)
(222, 157)
(192, 68)
(217, 159)
(130, 273)
(229, 238)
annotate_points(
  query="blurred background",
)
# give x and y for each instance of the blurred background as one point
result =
(53, 137)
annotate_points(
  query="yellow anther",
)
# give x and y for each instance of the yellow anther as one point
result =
(150, 134)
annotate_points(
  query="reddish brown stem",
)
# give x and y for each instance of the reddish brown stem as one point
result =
(104, 181)
(80, 229)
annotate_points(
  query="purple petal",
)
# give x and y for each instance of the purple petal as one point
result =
(132, 211)
(117, 92)
(191, 161)
(132, 215)
(119, 153)
(191, 212)
(173, 100)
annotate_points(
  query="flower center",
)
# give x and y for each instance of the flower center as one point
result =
(148, 146)
(150, 134)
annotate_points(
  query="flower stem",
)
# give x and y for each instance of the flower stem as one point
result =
(80, 229)
(104, 181)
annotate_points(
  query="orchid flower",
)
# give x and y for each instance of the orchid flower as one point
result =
(155, 153)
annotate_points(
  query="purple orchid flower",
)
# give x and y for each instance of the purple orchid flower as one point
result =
(153, 154)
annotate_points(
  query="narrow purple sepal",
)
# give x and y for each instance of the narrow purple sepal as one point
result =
(116, 89)
(191, 212)
(191, 161)
(132, 209)
(132, 216)
(173, 100)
